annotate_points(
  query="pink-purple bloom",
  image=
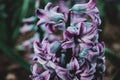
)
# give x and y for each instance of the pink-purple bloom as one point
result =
(77, 55)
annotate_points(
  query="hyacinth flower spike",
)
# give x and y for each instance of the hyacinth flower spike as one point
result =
(78, 55)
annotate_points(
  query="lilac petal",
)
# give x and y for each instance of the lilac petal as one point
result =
(29, 20)
(27, 44)
(60, 26)
(37, 48)
(67, 35)
(62, 73)
(40, 59)
(98, 20)
(85, 45)
(50, 64)
(74, 65)
(76, 78)
(92, 30)
(34, 69)
(45, 75)
(75, 20)
(40, 13)
(45, 44)
(41, 22)
(68, 44)
(83, 8)
(48, 6)
(63, 7)
(72, 30)
(90, 77)
(92, 56)
(88, 73)
(91, 33)
(56, 78)
(56, 8)
(91, 4)
(26, 28)
(50, 27)
(100, 47)
(95, 17)
(86, 39)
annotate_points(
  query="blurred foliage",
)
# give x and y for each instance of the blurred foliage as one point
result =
(108, 8)
(13, 11)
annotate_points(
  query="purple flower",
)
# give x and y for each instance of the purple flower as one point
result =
(74, 64)
(41, 52)
(88, 9)
(38, 74)
(93, 53)
(83, 8)
(51, 18)
(79, 37)
(28, 25)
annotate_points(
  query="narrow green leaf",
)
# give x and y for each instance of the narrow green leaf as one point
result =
(15, 57)
(24, 9)
(46, 1)
(114, 59)
(116, 76)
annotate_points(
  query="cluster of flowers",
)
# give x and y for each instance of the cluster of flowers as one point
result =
(28, 26)
(75, 53)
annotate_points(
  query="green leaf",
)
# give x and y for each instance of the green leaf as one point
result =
(15, 57)
(116, 76)
(114, 59)
(46, 1)
(24, 8)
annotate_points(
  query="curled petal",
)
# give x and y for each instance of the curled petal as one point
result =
(62, 73)
(82, 8)
(29, 20)
(45, 75)
(63, 7)
(91, 4)
(67, 35)
(41, 22)
(34, 69)
(37, 47)
(74, 65)
(40, 59)
(68, 44)
(72, 30)
(56, 8)
(40, 13)
(48, 6)
(26, 28)
(100, 47)
(50, 64)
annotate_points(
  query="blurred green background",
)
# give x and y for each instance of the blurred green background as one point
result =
(15, 62)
